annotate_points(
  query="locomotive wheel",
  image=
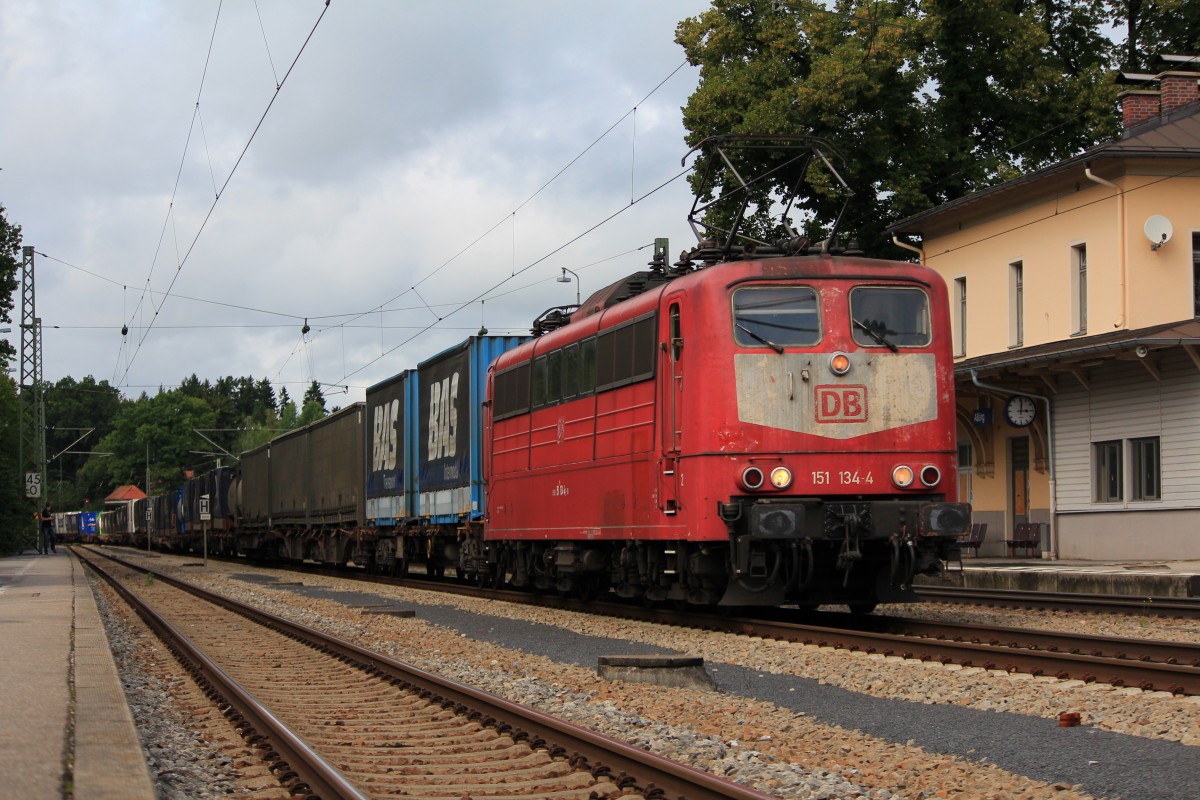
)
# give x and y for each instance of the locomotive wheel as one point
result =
(587, 587)
(862, 608)
(498, 575)
(493, 579)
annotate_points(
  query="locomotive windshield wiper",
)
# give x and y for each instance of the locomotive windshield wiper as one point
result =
(753, 335)
(876, 335)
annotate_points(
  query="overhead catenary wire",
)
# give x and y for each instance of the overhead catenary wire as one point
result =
(298, 316)
(155, 296)
(527, 267)
(145, 328)
(203, 224)
(183, 157)
(532, 196)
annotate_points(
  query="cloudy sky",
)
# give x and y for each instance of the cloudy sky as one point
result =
(405, 170)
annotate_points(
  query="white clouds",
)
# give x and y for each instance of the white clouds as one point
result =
(406, 131)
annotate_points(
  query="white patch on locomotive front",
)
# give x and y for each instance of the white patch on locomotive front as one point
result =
(798, 392)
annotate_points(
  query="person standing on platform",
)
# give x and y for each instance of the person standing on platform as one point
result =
(48, 544)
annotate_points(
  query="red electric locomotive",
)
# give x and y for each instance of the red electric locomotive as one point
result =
(762, 430)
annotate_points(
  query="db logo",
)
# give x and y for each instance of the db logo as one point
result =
(841, 403)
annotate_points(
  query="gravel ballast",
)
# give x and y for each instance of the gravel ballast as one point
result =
(792, 720)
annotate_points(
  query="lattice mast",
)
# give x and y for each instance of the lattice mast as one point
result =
(31, 454)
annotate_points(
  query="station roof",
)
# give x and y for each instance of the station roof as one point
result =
(123, 493)
(1086, 351)
(1175, 134)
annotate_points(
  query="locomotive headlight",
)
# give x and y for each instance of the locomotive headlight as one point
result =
(839, 363)
(930, 475)
(752, 478)
(781, 477)
(902, 476)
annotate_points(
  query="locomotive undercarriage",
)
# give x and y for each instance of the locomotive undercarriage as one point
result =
(801, 551)
(806, 552)
(810, 551)
(682, 572)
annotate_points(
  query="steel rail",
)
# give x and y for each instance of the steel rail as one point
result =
(1048, 656)
(1147, 664)
(293, 763)
(629, 767)
(1121, 648)
(1185, 607)
(1175, 678)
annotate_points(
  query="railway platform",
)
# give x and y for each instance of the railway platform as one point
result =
(1133, 578)
(65, 726)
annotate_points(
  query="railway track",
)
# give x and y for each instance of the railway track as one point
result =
(1183, 607)
(1144, 663)
(1141, 663)
(336, 721)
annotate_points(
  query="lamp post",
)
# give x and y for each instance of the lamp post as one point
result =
(564, 279)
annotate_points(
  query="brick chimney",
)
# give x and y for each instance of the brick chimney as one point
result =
(1138, 106)
(1177, 89)
(1152, 94)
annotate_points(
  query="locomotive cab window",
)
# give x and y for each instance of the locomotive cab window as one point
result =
(776, 317)
(889, 316)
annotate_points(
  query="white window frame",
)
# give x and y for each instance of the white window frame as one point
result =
(1016, 303)
(1139, 467)
(960, 315)
(1196, 273)
(1079, 288)
(1106, 456)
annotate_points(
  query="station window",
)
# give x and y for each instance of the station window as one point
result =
(1106, 468)
(1079, 287)
(1016, 304)
(1196, 273)
(1145, 468)
(889, 316)
(960, 303)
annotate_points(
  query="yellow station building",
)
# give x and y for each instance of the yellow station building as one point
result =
(1075, 307)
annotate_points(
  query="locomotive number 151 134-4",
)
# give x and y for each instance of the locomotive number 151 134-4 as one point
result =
(843, 478)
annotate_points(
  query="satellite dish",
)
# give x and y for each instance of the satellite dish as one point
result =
(1158, 230)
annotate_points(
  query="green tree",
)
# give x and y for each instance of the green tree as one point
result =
(262, 430)
(927, 99)
(264, 396)
(15, 509)
(1155, 27)
(289, 417)
(10, 264)
(161, 428)
(16, 521)
(314, 404)
(72, 407)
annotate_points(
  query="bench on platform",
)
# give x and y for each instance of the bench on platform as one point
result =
(1025, 536)
(970, 540)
